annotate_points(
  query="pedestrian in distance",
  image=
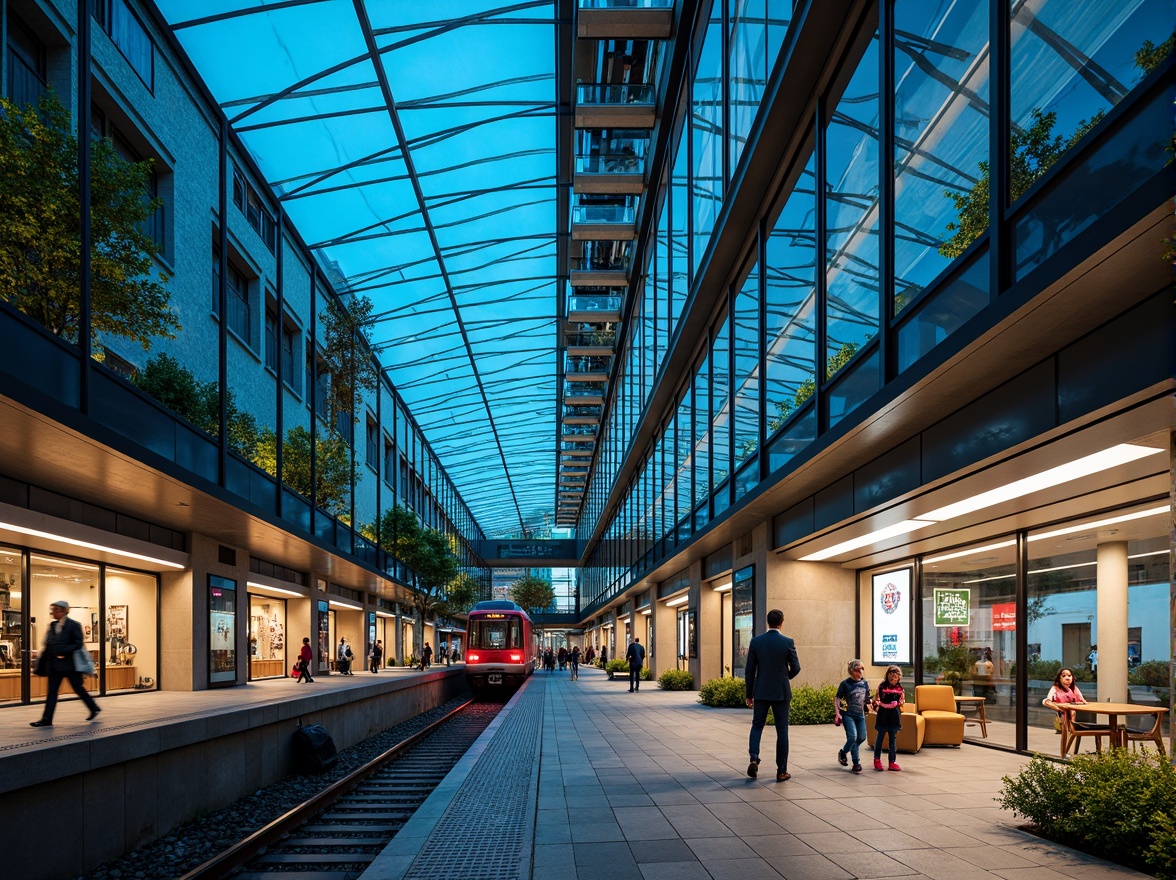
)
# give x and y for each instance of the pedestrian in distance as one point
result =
(771, 665)
(854, 694)
(574, 659)
(376, 657)
(888, 703)
(426, 656)
(60, 660)
(341, 657)
(305, 655)
(635, 657)
(603, 655)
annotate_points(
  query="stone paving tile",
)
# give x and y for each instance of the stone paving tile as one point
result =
(595, 832)
(741, 869)
(940, 865)
(834, 843)
(556, 856)
(626, 799)
(774, 847)
(673, 871)
(673, 850)
(872, 864)
(989, 857)
(711, 849)
(889, 840)
(814, 867)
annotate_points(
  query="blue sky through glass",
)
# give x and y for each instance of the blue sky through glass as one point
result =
(427, 174)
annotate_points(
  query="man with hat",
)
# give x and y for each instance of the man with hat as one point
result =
(62, 642)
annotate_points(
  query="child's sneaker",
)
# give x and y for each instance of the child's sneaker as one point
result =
(857, 768)
(892, 766)
(877, 763)
(841, 759)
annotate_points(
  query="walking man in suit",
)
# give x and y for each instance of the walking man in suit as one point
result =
(771, 665)
(62, 641)
(636, 659)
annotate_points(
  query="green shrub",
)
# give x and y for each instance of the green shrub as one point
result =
(676, 680)
(1153, 673)
(1110, 805)
(723, 693)
(812, 705)
(617, 666)
(646, 673)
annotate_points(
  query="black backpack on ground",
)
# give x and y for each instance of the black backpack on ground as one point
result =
(314, 750)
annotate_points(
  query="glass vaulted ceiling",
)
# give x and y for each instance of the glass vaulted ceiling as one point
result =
(413, 145)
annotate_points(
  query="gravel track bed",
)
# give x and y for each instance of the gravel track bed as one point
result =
(187, 846)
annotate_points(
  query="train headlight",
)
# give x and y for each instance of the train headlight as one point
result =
(472, 658)
(516, 658)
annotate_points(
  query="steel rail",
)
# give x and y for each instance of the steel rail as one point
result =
(239, 854)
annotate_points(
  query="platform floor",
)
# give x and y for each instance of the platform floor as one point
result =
(585, 780)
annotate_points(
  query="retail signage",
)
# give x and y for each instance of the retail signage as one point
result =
(891, 603)
(1004, 617)
(951, 607)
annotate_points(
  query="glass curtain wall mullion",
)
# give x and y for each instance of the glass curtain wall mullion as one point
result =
(706, 134)
(746, 385)
(720, 413)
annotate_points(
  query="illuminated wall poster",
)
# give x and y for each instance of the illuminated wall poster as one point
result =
(891, 606)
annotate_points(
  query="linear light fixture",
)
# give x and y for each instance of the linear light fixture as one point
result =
(335, 604)
(74, 542)
(901, 528)
(646, 611)
(680, 600)
(723, 588)
(1098, 524)
(1113, 456)
(385, 614)
(971, 552)
(257, 586)
(1103, 460)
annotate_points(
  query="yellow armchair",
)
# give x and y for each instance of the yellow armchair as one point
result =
(910, 738)
(945, 726)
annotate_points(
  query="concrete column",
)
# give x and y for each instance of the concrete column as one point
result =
(397, 636)
(710, 623)
(1111, 633)
(665, 635)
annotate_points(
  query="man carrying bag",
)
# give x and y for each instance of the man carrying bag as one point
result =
(62, 658)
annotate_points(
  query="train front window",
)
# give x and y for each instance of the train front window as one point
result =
(495, 635)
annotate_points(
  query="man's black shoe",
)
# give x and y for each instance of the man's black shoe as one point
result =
(93, 713)
(753, 768)
(41, 723)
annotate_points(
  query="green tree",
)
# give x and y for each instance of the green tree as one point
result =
(346, 355)
(40, 230)
(333, 472)
(174, 385)
(532, 593)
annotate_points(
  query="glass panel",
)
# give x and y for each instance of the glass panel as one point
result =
(680, 263)
(267, 637)
(742, 604)
(702, 449)
(940, 138)
(746, 383)
(1071, 62)
(683, 458)
(748, 66)
(12, 632)
(1068, 565)
(945, 310)
(75, 582)
(973, 651)
(131, 635)
(706, 126)
(669, 472)
(222, 629)
(790, 286)
(851, 244)
(799, 434)
(720, 401)
(858, 383)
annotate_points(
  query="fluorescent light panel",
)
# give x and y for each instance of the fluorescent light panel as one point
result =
(274, 589)
(74, 542)
(680, 600)
(901, 528)
(1098, 524)
(971, 552)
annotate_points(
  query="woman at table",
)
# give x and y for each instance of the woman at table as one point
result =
(1065, 691)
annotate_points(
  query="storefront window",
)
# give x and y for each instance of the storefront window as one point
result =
(742, 603)
(1116, 559)
(77, 583)
(12, 634)
(969, 634)
(130, 639)
(267, 637)
(222, 630)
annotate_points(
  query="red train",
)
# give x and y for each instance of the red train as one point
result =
(502, 646)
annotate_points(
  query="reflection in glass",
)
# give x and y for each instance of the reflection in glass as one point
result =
(977, 657)
(851, 243)
(130, 637)
(222, 629)
(267, 637)
(669, 477)
(742, 605)
(701, 438)
(13, 642)
(757, 28)
(790, 285)
(720, 400)
(53, 578)
(941, 62)
(684, 458)
(746, 383)
(706, 126)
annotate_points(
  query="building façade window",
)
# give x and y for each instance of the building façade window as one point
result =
(373, 445)
(249, 202)
(237, 301)
(27, 64)
(281, 333)
(101, 126)
(128, 34)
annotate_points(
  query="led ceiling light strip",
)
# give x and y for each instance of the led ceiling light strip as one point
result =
(1123, 453)
(680, 600)
(258, 586)
(1098, 524)
(74, 542)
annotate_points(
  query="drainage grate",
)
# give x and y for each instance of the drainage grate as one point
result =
(486, 830)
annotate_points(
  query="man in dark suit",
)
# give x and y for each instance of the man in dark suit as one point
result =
(771, 665)
(636, 659)
(63, 640)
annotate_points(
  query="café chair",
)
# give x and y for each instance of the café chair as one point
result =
(1073, 730)
(1155, 735)
(937, 706)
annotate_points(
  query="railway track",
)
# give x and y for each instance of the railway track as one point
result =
(336, 834)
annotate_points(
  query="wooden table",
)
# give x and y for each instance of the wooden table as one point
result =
(1118, 734)
(978, 702)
